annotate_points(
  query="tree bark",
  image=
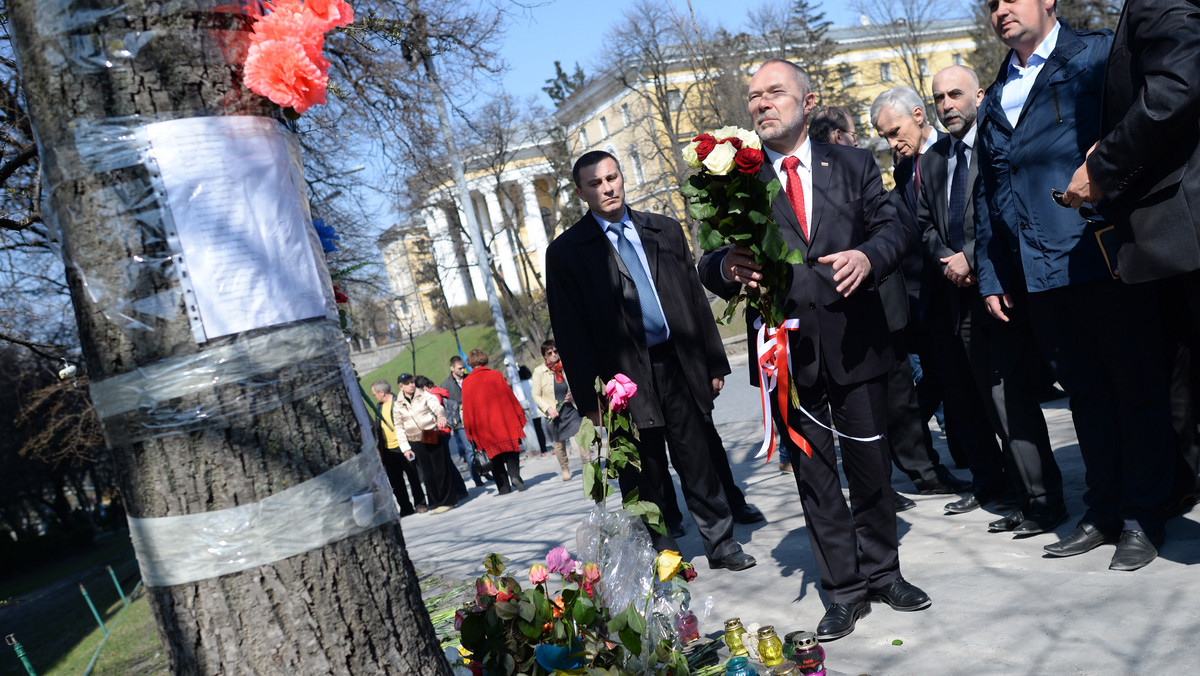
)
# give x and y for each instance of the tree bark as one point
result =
(351, 607)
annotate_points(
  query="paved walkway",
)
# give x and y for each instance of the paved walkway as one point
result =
(999, 606)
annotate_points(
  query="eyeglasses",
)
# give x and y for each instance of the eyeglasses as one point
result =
(852, 134)
(1086, 212)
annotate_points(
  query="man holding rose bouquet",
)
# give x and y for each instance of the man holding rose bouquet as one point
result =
(834, 210)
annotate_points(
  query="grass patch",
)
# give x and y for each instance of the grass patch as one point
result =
(132, 648)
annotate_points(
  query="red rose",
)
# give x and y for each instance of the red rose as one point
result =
(688, 574)
(748, 160)
(704, 145)
(733, 141)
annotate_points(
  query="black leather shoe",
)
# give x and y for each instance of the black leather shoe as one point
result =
(1133, 551)
(1085, 538)
(840, 618)
(748, 514)
(1007, 523)
(676, 530)
(963, 505)
(734, 561)
(902, 595)
(1041, 522)
(904, 503)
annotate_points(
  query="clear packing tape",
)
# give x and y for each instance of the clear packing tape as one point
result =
(221, 384)
(349, 499)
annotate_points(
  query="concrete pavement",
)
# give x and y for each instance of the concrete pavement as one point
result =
(999, 605)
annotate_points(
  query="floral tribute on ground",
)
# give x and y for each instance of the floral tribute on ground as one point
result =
(284, 62)
(734, 208)
(620, 609)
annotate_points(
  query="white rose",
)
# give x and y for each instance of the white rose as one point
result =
(720, 161)
(726, 132)
(690, 156)
(749, 139)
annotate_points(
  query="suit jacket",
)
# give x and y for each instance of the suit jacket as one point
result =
(1018, 226)
(851, 210)
(1148, 161)
(933, 210)
(597, 319)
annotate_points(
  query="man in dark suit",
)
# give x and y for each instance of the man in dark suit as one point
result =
(833, 208)
(1146, 168)
(989, 364)
(1035, 125)
(624, 298)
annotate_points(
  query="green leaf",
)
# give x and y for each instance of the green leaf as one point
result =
(773, 189)
(527, 609)
(473, 632)
(794, 257)
(710, 239)
(701, 210)
(631, 639)
(586, 435)
(694, 187)
(584, 612)
(506, 610)
(530, 630)
(594, 486)
(635, 620)
(897, 642)
(773, 245)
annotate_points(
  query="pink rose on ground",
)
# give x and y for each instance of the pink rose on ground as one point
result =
(485, 587)
(559, 561)
(538, 574)
(619, 391)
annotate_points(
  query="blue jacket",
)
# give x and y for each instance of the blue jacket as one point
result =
(1019, 228)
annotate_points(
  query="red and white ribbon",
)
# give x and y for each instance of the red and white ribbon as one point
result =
(774, 364)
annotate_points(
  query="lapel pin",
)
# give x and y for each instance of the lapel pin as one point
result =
(824, 164)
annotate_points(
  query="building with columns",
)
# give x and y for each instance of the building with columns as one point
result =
(522, 205)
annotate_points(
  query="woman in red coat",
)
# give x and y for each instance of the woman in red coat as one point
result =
(494, 420)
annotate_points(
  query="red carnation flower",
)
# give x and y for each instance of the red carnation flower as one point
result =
(748, 160)
(704, 145)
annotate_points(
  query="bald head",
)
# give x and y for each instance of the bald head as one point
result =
(956, 98)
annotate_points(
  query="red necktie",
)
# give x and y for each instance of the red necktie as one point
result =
(917, 173)
(795, 192)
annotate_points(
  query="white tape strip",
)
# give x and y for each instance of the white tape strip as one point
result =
(347, 500)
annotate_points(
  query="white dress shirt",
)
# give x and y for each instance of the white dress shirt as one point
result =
(1020, 79)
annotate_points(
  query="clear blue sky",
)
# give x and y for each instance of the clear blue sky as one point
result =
(572, 30)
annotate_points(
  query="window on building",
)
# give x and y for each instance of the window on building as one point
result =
(958, 59)
(923, 65)
(625, 114)
(885, 72)
(674, 100)
(583, 140)
(636, 158)
(603, 127)
(846, 73)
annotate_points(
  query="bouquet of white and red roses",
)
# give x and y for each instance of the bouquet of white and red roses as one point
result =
(734, 207)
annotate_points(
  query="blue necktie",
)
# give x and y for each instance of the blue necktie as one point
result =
(652, 317)
(958, 197)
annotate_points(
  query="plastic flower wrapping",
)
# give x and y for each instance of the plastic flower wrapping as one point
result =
(612, 609)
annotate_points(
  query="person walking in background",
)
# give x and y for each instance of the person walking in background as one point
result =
(450, 409)
(396, 454)
(494, 420)
(524, 392)
(458, 438)
(419, 415)
(552, 397)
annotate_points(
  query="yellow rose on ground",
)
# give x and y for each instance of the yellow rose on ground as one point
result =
(668, 564)
(720, 161)
(690, 156)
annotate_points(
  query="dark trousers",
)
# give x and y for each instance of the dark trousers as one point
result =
(1009, 370)
(1104, 340)
(541, 435)
(967, 418)
(720, 460)
(398, 469)
(686, 435)
(435, 463)
(910, 443)
(506, 467)
(855, 545)
(1180, 309)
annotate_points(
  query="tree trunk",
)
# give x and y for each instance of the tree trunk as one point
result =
(353, 606)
